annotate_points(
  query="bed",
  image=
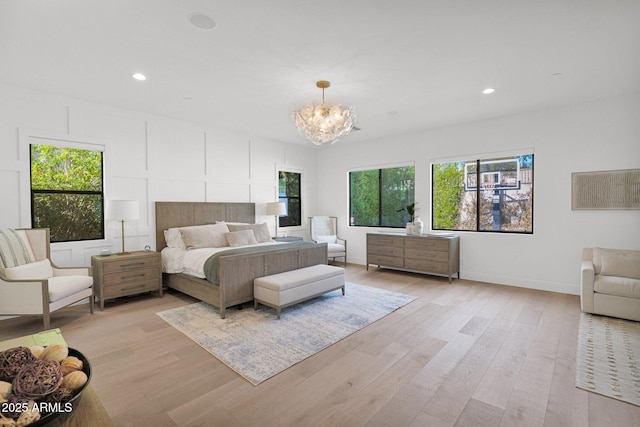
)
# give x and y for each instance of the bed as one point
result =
(235, 271)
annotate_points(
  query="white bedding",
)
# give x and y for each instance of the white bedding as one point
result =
(191, 262)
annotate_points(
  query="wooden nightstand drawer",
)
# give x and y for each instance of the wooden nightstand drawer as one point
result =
(123, 289)
(116, 265)
(127, 276)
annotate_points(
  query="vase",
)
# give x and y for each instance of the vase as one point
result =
(409, 228)
(418, 226)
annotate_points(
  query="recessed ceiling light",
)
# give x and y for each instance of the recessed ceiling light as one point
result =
(488, 90)
(139, 76)
(202, 21)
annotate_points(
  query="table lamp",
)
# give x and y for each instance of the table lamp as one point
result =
(277, 209)
(122, 210)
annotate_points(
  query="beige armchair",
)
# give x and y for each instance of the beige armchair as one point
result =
(30, 284)
(324, 229)
(610, 282)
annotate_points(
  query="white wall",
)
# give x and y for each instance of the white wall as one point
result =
(147, 158)
(152, 158)
(603, 135)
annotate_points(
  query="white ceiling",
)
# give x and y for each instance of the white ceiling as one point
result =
(426, 60)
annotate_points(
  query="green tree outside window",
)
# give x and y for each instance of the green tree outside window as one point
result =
(67, 192)
(377, 197)
(289, 193)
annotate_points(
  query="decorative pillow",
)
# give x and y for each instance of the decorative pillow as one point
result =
(326, 239)
(33, 271)
(260, 231)
(173, 238)
(204, 236)
(241, 238)
(621, 264)
(14, 248)
(600, 253)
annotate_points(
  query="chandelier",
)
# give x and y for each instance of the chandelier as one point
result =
(322, 124)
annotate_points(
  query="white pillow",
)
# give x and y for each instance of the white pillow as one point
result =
(241, 238)
(33, 271)
(326, 239)
(260, 231)
(204, 236)
(173, 238)
(621, 264)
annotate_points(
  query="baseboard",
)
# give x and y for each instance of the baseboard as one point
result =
(519, 282)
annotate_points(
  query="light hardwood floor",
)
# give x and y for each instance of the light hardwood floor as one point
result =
(462, 354)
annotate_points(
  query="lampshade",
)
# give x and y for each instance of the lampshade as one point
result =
(276, 208)
(324, 124)
(123, 210)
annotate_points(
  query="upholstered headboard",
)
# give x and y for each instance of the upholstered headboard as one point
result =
(183, 214)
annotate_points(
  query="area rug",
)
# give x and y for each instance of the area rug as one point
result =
(608, 357)
(258, 346)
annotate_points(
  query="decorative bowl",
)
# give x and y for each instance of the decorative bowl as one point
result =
(62, 411)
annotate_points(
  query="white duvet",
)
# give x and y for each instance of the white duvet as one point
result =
(191, 262)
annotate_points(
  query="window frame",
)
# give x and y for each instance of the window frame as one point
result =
(381, 210)
(45, 141)
(479, 159)
(286, 199)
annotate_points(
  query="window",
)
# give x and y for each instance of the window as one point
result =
(503, 202)
(67, 192)
(379, 197)
(289, 193)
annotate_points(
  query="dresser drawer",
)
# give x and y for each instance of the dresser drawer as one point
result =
(389, 261)
(428, 244)
(386, 250)
(130, 288)
(427, 255)
(427, 266)
(130, 276)
(385, 240)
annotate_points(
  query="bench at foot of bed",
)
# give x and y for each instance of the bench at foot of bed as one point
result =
(291, 287)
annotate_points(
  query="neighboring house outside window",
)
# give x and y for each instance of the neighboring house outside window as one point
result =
(503, 202)
(379, 197)
(289, 184)
(67, 194)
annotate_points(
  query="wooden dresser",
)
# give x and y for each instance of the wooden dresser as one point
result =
(128, 274)
(421, 254)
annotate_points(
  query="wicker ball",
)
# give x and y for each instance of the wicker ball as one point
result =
(12, 360)
(38, 379)
(61, 395)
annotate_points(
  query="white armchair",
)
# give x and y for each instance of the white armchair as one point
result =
(324, 229)
(30, 284)
(610, 282)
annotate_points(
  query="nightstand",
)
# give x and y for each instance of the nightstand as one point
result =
(129, 274)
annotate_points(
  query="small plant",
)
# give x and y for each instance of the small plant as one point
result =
(411, 210)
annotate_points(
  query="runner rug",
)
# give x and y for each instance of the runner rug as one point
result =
(258, 346)
(608, 357)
